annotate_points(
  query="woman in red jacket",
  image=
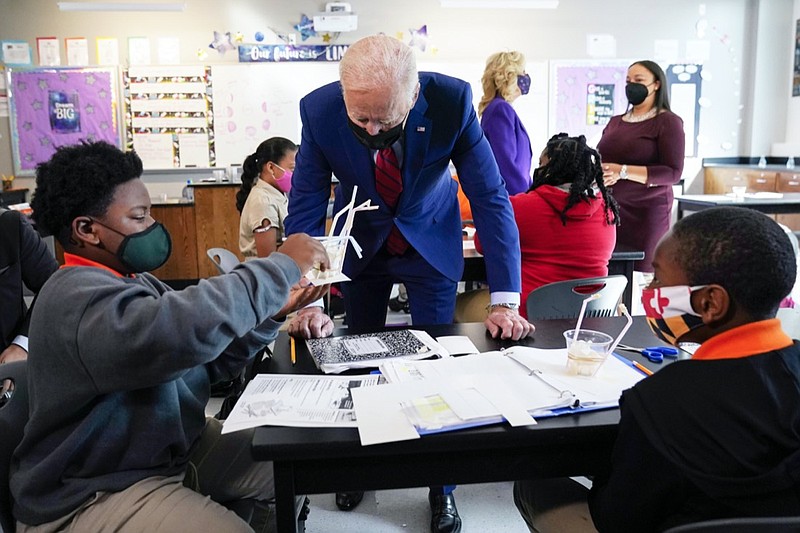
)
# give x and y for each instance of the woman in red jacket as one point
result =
(567, 220)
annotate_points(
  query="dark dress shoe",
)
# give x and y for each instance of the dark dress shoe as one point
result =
(347, 501)
(444, 515)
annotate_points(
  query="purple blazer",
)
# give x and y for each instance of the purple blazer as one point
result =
(510, 144)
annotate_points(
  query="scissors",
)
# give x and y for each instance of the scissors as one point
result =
(654, 354)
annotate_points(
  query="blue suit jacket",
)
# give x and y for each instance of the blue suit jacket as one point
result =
(441, 127)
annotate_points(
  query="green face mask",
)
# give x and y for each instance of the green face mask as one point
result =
(146, 250)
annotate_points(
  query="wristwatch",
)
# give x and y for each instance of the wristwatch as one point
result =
(623, 172)
(513, 307)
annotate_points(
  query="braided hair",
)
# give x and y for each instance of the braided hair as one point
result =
(273, 149)
(571, 161)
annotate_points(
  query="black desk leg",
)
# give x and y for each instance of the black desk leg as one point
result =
(627, 295)
(284, 497)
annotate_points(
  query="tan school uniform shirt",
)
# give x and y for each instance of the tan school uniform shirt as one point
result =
(263, 202)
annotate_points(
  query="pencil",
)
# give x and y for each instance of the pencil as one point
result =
(293, 350)
(636, 364)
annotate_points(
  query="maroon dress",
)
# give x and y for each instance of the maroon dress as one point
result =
(645, 210)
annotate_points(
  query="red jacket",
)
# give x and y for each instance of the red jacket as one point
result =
(552, 251)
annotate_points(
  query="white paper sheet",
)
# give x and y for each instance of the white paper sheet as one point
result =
(381, 410)
(298, 401)
(193, 149)
(155, 149)
(457, 344)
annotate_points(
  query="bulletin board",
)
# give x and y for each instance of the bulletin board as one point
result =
(169, 115)
(584, 95)
(55, 107)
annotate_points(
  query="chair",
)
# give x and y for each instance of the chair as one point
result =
(769, 524)
(471, 306)
(13, 416)
(563, 299)
(790, 321)
(223, 259)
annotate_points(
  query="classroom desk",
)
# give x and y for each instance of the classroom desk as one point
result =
(789, 203)
(323, 460)
(621, 262)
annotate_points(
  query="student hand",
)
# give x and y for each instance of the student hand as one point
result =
(310, 323)
(14, 352)
(300, 296)
(507, 324)
(307, 252)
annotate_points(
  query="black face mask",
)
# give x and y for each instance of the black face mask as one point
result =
(379, 141)
(636, 92)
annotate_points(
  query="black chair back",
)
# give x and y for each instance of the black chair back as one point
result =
(13, 417)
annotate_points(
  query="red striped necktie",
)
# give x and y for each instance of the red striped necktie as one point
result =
(389, 183)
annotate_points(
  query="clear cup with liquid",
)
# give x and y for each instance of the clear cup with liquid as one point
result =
(587, 352)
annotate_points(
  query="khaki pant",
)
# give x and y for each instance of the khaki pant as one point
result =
(221, 470)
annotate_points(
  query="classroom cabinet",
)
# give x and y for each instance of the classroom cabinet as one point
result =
(722, 179)
(212, 221)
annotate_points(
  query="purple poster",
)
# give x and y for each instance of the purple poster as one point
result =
(586, 96)
(58, 107)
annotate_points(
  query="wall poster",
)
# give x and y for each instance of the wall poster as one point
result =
(796, 73)
(169, 115)
(584, 95)
(55, 107)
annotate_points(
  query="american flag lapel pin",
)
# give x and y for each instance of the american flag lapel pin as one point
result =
(420, 129)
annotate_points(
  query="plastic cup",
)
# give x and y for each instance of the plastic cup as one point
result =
(739, 191)
(336, 248)
(586, 354)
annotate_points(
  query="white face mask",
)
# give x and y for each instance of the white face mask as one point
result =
(669, 311)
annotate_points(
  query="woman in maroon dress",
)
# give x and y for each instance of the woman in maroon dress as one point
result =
(643, 151)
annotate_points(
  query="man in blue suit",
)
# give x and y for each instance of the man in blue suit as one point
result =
(427, 120)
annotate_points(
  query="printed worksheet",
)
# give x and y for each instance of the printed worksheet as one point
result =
(297, 401)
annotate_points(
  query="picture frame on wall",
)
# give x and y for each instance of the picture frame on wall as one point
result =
(796, 73)
(15, 53)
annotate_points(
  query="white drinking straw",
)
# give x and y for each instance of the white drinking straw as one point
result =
(594, 296)
(345, 209)
(623, 311)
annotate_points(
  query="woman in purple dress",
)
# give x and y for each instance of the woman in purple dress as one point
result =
(643, 151)
(504, 80)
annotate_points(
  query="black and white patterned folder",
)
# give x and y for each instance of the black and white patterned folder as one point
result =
(336, 354)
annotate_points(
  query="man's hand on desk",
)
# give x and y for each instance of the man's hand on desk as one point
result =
(507, 324)
(310, 323)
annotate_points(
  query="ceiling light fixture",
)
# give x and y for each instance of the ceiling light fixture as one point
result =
(126, 6)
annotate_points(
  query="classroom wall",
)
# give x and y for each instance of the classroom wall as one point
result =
(741, 115)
